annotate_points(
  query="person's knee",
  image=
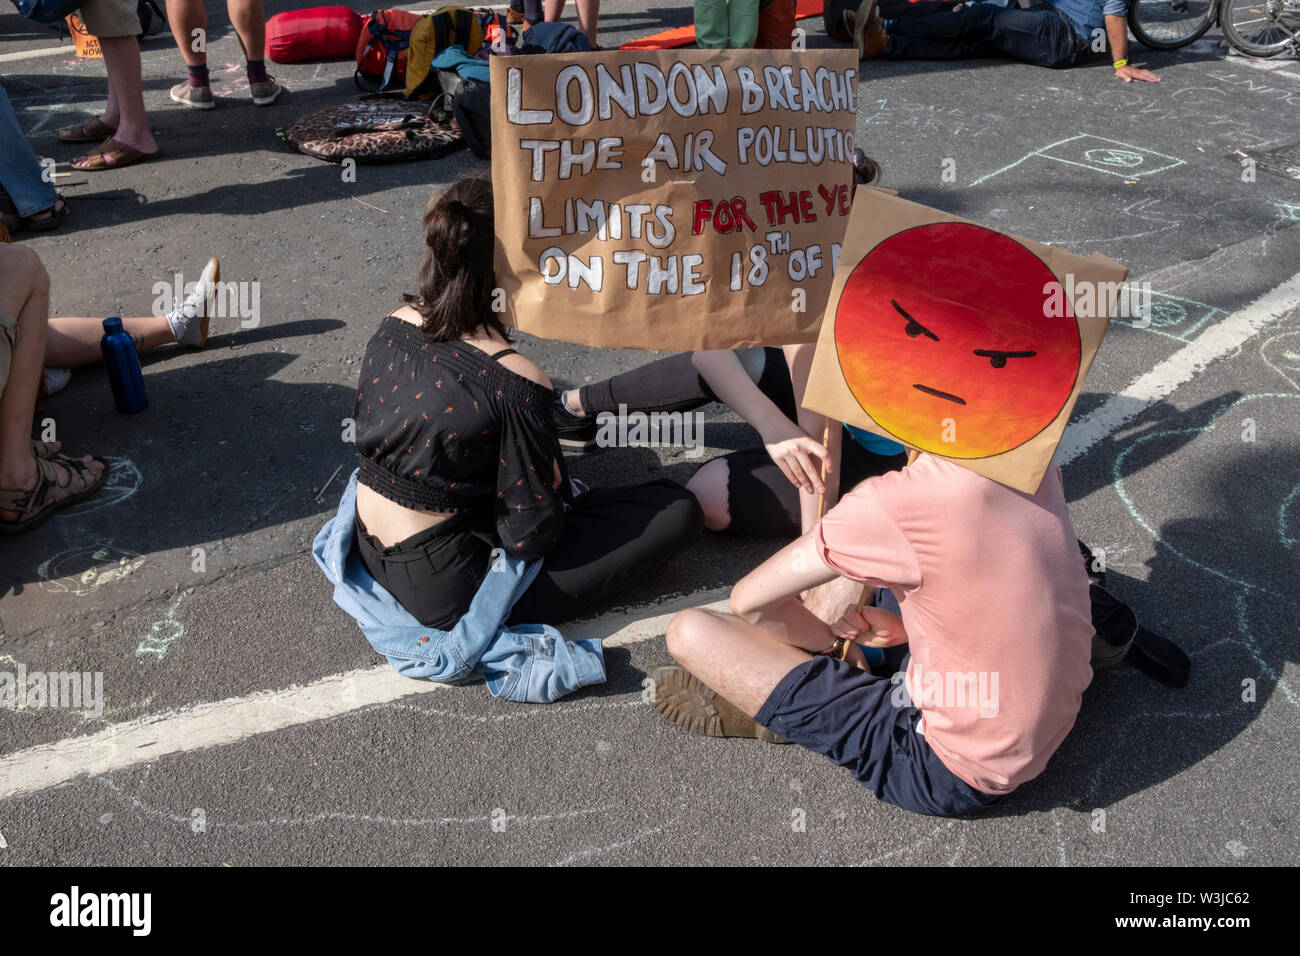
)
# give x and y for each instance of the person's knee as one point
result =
(685, 634)
(29, 276)
(709, 486)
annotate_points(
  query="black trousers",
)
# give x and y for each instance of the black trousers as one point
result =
(1041, 34)
(760, 498)
(612, 536)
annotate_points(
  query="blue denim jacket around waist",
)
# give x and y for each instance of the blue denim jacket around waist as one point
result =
(525, 662)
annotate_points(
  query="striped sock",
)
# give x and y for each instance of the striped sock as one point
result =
(198, 75)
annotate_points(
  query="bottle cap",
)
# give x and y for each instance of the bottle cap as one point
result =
(113, 324)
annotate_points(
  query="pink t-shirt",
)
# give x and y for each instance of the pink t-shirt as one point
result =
(995, 602)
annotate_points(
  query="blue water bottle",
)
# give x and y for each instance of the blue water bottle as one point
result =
(123, 368)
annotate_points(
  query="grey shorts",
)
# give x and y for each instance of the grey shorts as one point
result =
(110, 18)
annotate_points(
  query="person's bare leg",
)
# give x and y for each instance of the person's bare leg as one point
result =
(554, 9)
(25, 295)
(248, 17)
(709, 486)
(588, 14)
(738, 660)
(126, 94)
(74, 340)
(184, 17)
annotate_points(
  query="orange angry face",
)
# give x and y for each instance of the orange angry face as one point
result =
(945, 337)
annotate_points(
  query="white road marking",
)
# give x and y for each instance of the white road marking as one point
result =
(39, 52)
(1218, 340)
(201, 726)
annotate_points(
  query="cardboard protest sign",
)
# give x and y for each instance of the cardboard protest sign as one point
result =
(959, 340)
(672, 199)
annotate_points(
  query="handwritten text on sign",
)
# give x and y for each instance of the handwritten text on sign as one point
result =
(630, 185)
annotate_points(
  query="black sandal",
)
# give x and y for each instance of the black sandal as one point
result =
(50, 222)
(34, 505)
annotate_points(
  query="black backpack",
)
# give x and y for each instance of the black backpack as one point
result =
(472, 107)
(1118, 635)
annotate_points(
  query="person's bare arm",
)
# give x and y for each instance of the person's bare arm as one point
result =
(766, 596)
(1117, 33)
(797, 455)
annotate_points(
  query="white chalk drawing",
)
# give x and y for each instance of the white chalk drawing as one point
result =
(334, 816)
(124, 480)
(86, 569)
(162, 634)
(1174, 317)
(1281, 353)
(1100, 155)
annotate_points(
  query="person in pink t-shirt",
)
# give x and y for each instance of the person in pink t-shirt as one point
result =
(984, 670)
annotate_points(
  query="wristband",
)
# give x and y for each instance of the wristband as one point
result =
(1119, 63)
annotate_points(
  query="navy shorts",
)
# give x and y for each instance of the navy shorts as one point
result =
(865, 722)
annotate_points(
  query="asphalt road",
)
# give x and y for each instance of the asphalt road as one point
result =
(1192, 497)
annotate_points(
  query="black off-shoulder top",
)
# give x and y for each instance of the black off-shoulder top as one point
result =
(442, 426)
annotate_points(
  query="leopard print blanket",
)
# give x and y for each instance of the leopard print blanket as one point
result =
(373, 131)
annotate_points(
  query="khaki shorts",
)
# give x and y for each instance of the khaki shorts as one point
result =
(8, 333)
(111, 18)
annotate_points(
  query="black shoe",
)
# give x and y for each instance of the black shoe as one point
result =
(577, 432)
(865, 169)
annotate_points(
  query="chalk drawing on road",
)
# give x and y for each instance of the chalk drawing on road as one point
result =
(1100, 155)
(1174, 317)
(162, 634)
(124, 480)
(1281, 353)
(1118, 473)
(335, 816)
(1245, 587)
(84, 570)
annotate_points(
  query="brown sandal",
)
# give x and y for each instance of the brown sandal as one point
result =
(50, 493)
(110, 154)
(92, 131)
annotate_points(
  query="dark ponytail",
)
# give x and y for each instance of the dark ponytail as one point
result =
(455, 278)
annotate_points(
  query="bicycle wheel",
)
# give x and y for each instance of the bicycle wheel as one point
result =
(1262, 27)
(1169, 24)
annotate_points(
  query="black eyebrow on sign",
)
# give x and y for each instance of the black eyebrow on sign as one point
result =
(998, 357)
(920, 329)
(994, 353)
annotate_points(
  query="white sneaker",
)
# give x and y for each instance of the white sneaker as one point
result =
(189, 320)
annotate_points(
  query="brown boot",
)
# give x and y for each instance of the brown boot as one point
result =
(681, 697)
(868, 30)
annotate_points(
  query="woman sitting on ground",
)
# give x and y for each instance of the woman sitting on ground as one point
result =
(459, 455)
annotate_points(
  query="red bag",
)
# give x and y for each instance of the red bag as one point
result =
(317, 33)
(775, 25)
(381, 49)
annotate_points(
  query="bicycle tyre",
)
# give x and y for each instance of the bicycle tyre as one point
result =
(1157, 33)
(1236, 13)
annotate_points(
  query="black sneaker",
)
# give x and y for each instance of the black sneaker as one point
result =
(865, 169)
(577, 432)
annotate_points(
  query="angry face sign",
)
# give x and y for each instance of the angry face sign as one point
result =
(944, 339)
